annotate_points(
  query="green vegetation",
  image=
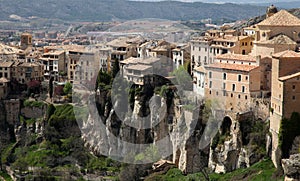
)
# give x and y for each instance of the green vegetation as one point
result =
(68, 88)
(5, 176)
(29, 103)
(183, 78)
(60, 149)
(116, 68)
(261, 171)
(289, 129)
(95, 10)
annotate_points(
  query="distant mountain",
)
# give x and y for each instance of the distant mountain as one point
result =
(107, 10)
(284, 5)
(258, 19)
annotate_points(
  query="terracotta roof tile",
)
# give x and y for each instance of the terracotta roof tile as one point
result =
(282, 18)
(229, 56)
(6, 64)
(239, 67)
(280, 39)
(286, 54)
(200, 69)
(139, 67)
(284, 78)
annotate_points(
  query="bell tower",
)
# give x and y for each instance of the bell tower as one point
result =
(26, 40)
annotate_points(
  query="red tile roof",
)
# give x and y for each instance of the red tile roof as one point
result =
(239, 57)
(282, 18)
(286, 54)
(238, 67)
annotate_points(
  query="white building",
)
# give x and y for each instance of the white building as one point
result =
(199, 81)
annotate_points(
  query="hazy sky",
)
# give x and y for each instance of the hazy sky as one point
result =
(234, 1)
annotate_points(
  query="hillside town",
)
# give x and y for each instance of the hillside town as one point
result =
(257, 66)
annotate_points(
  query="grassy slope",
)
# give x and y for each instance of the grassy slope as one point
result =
(261, 171)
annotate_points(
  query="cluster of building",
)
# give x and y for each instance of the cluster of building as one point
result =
(230, 66)
(263, 61)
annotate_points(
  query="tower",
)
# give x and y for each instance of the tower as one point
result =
(26, 40)
(271, 10)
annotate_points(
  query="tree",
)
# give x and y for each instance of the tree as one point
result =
(51, 87)
(67, 88)
(116, 68)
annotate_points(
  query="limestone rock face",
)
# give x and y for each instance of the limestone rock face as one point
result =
(291, 167)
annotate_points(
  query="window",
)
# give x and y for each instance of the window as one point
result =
(246, 77)
(231, 95)
(294, 87)
(246, 97)
(239, 78)
(224, 76)
(224, 85)
(205, 49)
(233, 87)
(199, 58)
(217, 93)
(199, 49)
(210, 84)
(294, 97)
(239, 96)
(210, 75)
(243, 88)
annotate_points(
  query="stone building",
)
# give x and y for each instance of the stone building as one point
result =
(55, 63)
(4, 87)
(277, 33)
(285, 93)
(199, 78)
(83, 66)
(6, 70)
(25, 72)
(181, 55)
(26, 41)
(232, 85)
(216, 42)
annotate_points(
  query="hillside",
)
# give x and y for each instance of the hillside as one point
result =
(258, 19)
(106, 10)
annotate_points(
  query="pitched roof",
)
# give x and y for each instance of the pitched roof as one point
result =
(139, 67)
(286, 54)
(284, 78)
(6, 64)
(4, 80)
(239, 57)
(280, 39)
(200, 69)
(227, 66)
(282, 18)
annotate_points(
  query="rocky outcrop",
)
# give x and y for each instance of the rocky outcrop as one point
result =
(240, 147)
(291, 167)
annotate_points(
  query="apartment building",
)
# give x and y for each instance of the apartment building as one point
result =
(4, 87)
(181, 55)
(199, 78)
(25, 72)
(136, 69)
(83, 66)
(55, 63)
(285, 92)
(216, 42)
(6, 70)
